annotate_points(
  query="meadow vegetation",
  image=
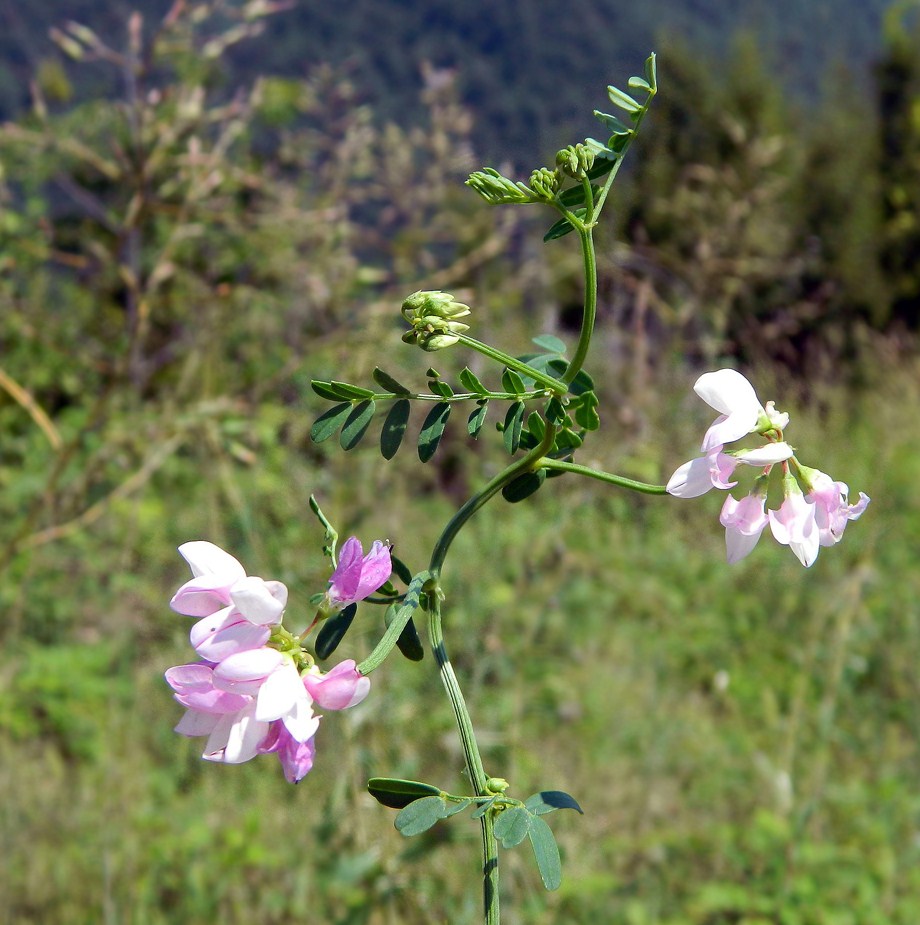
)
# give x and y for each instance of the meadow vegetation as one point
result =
(177, 265)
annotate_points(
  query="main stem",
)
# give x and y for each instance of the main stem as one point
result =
(474, 766)
(478, 777)
(585, 232)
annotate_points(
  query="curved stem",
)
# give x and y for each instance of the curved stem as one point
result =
(590, 310)
(554, 385)
(621, 481)
(456, 523)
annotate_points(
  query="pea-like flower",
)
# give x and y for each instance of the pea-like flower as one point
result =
(238, 610)
(804, 522)
(357, 576)
(257, 703)
(744, 521)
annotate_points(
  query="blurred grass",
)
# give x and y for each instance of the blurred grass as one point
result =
(744, 740)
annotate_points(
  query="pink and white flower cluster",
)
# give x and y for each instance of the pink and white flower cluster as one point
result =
(804, 521)
(254, 690)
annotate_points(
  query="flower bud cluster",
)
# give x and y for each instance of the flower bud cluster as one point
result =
(254, 689)
(433, 315)
(545, 183)
(805, 521)
(497, 189)
(575, 161)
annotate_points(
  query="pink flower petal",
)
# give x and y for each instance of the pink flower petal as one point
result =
(375, 570)
(246, 672)
(340, 688)
(194, 687)
(344, 580)
(203, 595)
(226, 633)
(194, 723)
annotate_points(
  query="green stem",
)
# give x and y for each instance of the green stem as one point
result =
(459, 396)
(471, 753)
(474, 766)
(554, 385)
(493, 486)
(394, 630)
(590, 311)
(621, 481)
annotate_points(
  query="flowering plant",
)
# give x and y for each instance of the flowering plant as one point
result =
(256, 684)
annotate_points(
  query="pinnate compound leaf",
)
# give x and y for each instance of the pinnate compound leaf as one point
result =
(623, 100)
(524, 486)
(356, 424)
(512, 826)
(397, 793)
(394, 428)
(514, 422)
(546, 852)
(400, 569)
(469, 380)
(477, 419)
(456, 807)
(555, 411)
(550, 343)
(329, 422)
(432, 431)
(536, 425)
(483, 808)
(420, 815)
(575, 195)
(586, 413)
(410, 644)
(333, 631)
(563, 226)
(324, 390)
(651, 71)
(582, 381)
(548, 801)
(338, 391)
(613, 125)
(387, 382)
(512, 382)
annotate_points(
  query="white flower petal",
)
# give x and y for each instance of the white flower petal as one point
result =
(765, 455)
(738, 544)
(691, 480)
(206, 558)
(728, 392)
(260, 602)
(280, 693)
(301, 722)
(243, 736)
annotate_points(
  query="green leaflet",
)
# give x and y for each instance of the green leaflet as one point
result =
(394, 428)
(432, 431)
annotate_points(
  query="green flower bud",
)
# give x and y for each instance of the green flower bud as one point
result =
(496, 189)
(432, 315)
(575, 161)
(432, 303)
(497, 785)
(545, 183)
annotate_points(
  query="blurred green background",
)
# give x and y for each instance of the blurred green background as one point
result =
(185, 242)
